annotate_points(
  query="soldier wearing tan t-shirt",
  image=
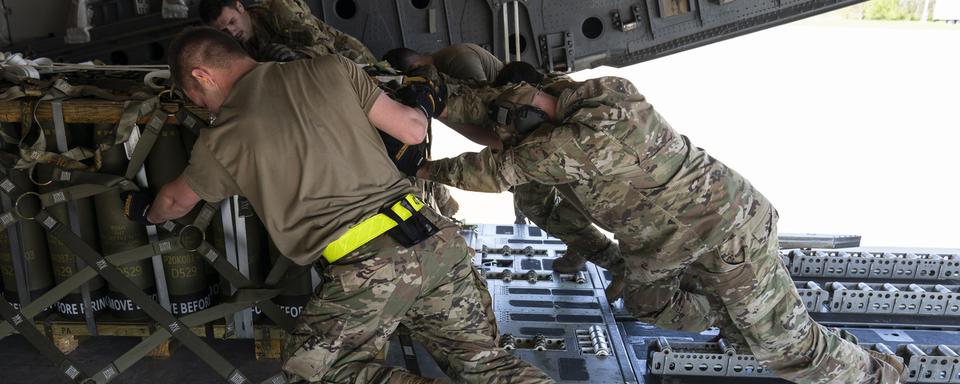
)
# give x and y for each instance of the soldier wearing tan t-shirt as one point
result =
(300, 141)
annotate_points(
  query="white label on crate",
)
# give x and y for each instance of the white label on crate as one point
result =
(109, 372)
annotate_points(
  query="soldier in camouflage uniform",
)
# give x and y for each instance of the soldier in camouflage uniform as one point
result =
(332, 198)
(467, 106)
(677, 214)
(281, 30)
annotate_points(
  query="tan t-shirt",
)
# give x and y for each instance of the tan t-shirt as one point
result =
(294, 138)
(467, 61)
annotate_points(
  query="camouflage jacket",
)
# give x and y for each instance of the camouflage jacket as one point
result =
(290, 23)
(616, 157)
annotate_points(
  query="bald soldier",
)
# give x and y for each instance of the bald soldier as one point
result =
(281, 30)
(676, 212)
(465, 61)
(300, 140)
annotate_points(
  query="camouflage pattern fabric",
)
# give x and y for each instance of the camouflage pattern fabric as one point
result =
(290, 24)
(545, 208)
(675, 210)
(437, 196)
(432, 288)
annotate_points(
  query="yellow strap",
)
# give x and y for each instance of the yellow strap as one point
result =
(369, 229)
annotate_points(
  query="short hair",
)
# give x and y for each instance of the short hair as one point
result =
(210, 10)
(401, 58)
(200, 45)
(518, 71)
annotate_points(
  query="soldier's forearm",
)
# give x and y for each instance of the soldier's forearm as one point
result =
(478, 172)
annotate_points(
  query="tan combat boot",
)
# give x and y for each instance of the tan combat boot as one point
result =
(890, 368)
(571, 262)
(615, 290)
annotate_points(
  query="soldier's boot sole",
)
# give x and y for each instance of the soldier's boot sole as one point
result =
(890, 368)
(571, 262)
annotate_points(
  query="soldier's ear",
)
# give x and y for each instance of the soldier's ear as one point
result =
(239, 7)
(202, 76)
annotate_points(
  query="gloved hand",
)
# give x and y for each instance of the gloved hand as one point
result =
(423, 87)
(136, 204)
(407, 158)
(280, 52)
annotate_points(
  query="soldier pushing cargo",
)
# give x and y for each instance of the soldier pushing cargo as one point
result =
(315, 170)
(676, 212)
(281, 30)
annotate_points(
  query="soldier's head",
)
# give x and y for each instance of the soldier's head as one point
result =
(229, 16)
(517, 72)
(205, 63)
(406, 59)
(520, 110)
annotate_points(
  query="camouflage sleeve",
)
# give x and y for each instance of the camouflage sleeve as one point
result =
(549, 156)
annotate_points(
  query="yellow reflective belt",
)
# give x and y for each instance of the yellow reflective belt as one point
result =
(370, 229)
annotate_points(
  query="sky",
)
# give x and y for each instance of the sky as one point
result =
(848, 127)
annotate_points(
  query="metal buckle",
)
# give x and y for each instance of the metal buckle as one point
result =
(16, 205)
(185, 239)
(30, 175)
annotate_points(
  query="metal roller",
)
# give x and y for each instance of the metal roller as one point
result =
(813, 285)
(580, 277)
(532, 276)
(890, 288)
(663, 344)
(837, 286)
(942, 289)
(528, 250)
(508, 343)
(726, 347)
(505, 250)
(118, 234)
(506, 275)
(915, 350)
(883, 348)
(944, 350)
(916, 288)
(601, 345)
(864, 287)
(540, 342)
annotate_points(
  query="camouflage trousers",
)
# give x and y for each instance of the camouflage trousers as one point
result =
(744, 288)
(543, 205)
(431, 288)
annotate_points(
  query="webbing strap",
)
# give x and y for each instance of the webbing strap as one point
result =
(244, 299)
(64, 288)
(122, 284)
(42, 344)
(70, 177)
(189, 120)
(228, 271)
(71, 193)
(147, 138)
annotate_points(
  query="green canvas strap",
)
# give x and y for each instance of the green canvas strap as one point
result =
(64, 288)
(71, 177)
(26, 328)
(189, 120)
(122, 284)
(147, 138)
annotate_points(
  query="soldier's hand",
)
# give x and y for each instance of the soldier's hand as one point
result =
(424, 171)
(280, 52)
(135, 205)
(423, 86)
